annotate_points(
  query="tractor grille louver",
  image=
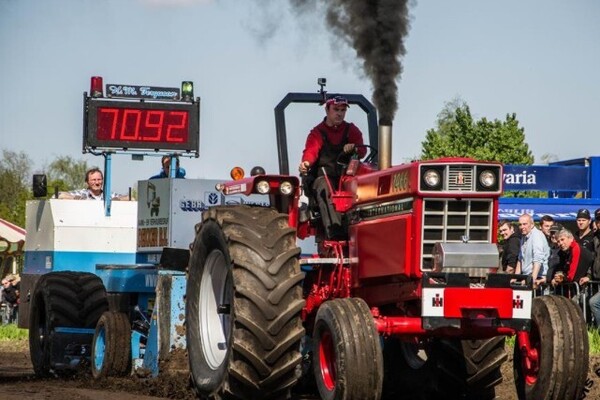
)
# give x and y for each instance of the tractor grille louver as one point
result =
(448, 220)
(460, 177)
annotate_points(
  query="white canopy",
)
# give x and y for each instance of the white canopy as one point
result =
(12, 237)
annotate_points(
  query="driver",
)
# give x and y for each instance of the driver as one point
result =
(324, 145)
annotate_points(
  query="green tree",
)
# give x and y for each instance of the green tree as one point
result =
(459, 135)
(66, 173)
(14, 186)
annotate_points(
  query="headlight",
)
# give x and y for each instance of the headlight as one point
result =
(262, 187)
(285, 188)
(431, 178)
(487, 178)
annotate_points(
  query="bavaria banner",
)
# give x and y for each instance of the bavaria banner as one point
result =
(546, 178)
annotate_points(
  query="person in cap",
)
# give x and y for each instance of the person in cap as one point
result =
(584, 234)
(326, 142)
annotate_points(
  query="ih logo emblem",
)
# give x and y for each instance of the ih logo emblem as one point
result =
(518, 302)
(437, 301)
(460, 179)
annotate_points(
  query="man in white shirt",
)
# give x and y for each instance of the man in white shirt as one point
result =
(533, 259)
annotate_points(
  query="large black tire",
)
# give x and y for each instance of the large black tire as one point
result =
(468, 369)
(61, 299)
(244, 300)
(559, 335)
(111, 348)
(407, 370)
(348, 362)
(581, 357)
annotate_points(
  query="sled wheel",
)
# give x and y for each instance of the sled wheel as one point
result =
(559, 337)
(111, 348)
(61, 299)
(348, 362)
(244, 299)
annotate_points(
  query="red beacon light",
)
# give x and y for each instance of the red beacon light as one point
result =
(96, 87)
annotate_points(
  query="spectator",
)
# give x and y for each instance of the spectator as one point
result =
(554, 258)
(325, 143)
(533, 257)
(597, 222)
(593, 273)
(10, 296)
(510, 246)
(165, 171)
(585, 235)
(575, 260)
(94, 191)
(546, 223)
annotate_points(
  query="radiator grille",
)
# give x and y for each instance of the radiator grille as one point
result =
(460, 177)
(448, 220)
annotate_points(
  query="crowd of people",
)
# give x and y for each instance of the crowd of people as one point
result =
(554, 256)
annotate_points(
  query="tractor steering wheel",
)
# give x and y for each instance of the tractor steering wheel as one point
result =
(344, 158)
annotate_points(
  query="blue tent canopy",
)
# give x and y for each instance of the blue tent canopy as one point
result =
(559, 209)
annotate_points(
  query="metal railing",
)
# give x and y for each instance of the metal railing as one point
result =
(572, 290)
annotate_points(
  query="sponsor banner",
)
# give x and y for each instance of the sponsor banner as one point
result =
(142, 92)
(546, 178)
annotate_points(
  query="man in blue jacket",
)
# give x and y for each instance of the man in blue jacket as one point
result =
(166, 165)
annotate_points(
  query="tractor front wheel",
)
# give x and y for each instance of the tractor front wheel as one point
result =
(558, 339)
(243, 305)
(348, 362)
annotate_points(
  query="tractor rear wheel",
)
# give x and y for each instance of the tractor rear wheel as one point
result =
(559, 337)
(469, 369)
(408, 369)
(348, 362)
(111, 348)
(244, 299)
(61, 299)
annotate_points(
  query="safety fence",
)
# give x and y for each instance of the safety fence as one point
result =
(580, 294)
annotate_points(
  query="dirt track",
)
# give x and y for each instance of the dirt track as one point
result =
(18, 382)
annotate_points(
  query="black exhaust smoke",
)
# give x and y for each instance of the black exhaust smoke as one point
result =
(376, 29)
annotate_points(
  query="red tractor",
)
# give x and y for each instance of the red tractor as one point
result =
(408, 305)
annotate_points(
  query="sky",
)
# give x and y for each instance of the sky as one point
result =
(539, 59)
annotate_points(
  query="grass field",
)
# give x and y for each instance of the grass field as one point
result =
(11, 332)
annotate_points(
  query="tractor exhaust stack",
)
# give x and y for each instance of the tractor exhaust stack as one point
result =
(385, 145)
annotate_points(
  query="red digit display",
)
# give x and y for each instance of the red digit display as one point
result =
(138, 125)
(142, 125)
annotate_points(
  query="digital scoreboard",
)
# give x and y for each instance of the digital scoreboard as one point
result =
(140, 124)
